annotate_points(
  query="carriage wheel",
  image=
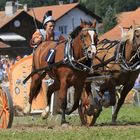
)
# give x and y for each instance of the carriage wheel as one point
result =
(85, 118)
(6, 108)
(88, 119)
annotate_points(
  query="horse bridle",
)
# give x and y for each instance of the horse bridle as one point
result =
(135, 37)
(85, 47)
(125, 65)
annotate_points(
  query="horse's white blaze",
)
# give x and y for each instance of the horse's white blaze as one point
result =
(93, 47)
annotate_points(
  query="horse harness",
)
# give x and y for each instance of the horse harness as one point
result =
(69, 58)
(118, 57)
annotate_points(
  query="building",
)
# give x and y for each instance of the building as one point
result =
(17, 25)
(125, 19)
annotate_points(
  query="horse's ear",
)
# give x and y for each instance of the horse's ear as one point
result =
(131, 27)
(81, 20)
(94, 24)
(82, 23)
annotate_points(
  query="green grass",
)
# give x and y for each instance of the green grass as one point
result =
(34, 128)
(82, 133)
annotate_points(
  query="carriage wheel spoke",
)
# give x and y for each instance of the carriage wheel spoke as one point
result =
(1, 99)
(5, 100)
(1, 112)
(7, 112)
(4, 121)
(4, 110)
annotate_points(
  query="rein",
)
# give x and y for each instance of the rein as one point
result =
(91, 29)
(113, 58)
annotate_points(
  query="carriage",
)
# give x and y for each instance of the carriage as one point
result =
(16, 87)
(14, 94)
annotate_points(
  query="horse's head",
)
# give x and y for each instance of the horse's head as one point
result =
(132, 34)
(136, 37)
(89, 38)
(85, 38)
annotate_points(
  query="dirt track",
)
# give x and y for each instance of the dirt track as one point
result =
(33, 124)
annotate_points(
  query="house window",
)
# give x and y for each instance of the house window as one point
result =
(63, 29)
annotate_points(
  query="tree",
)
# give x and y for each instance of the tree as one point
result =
(2, 4)
(122, 5)
(110, 20)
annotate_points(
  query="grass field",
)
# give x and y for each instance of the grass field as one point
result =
(34, 128)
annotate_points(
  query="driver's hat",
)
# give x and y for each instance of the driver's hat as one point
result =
(48, 17)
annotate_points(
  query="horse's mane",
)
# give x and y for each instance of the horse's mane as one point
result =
(76, 31)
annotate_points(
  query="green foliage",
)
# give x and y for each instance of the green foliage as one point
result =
(101, 8)
(37, 3)
(122, 5)
(109, 21)
(2, 4)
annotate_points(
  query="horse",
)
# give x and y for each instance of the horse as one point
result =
(71, 64)
(119, 61)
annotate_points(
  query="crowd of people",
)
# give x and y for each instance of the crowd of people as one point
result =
(6, 64)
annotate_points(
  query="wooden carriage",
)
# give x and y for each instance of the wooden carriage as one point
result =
(14, 94)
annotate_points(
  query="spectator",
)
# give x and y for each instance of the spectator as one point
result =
(18, 58)
(137, 82)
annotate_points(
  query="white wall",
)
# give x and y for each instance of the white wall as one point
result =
(76, 14)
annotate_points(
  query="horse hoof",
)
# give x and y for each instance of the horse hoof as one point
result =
(114, 121)
(27, 109)
(65, 125)
(44, 115)
(105, 103)
(68, 111)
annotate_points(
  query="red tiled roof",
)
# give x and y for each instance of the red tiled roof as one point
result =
(125, 19)
(58, 10)
(5, 19)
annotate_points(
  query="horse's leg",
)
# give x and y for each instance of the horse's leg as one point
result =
(51, 89)
(112, 93)
(111, 88)
(33, 88)
(81, 108)
(62, 98)
(123, 95)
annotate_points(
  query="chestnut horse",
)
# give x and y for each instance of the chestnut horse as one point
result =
(68, 67)
(118, 60)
